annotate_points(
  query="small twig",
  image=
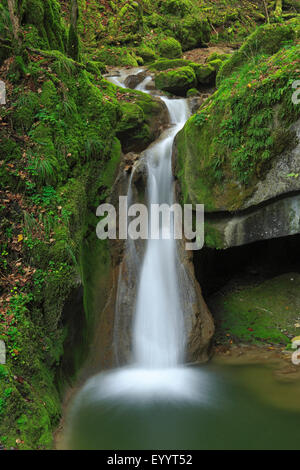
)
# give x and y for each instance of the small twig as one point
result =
(266, 11)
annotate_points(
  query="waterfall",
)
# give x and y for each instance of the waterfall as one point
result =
(156, 370)
(158, 336)
(158, 333)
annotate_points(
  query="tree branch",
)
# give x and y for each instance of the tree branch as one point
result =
(266, 11)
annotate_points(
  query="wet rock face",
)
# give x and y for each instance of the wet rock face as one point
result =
(278, 219)
(282, 177)
(271, 212)
(199, 323)
(134, 80)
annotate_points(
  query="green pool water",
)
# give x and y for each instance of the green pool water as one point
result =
(239, 407)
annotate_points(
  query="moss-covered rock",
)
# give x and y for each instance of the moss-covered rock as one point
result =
(266, 313)
(177, 81)
(147, 53)
(165, 64)
(142, 119)
(95, 67)
(267, 39)
(175, 7)
(192, 32)
(170, 48)
(205, 73)
(228, 146)
(192, 92)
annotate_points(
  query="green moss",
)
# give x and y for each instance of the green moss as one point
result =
(228, 145)
(137, 128)
(177, 81)
(25, 111)
(175, 7)
(192, 32)
(213, 238)
(45, 16)
(267, 39)
(116, 56)
(147, 53)
(192, 92)
(216, 64)
(265, 313)
(165, 64)
(170, 48)
(132, 116)
(205, 74)
(218, 56)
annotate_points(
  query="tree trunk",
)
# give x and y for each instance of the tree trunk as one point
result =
(73, 41)
(74, 13)
(14, 21)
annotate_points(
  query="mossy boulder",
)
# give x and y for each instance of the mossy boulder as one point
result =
(146, 53)
(116, 56)
(227, 148)
(267, 39)
(142, 119)
(170, 48)
(218, 56)
(165, 64)
(177, 81)
(205, 73)
(192, 92)
(175, 7)
(216, 64)
(192, 32)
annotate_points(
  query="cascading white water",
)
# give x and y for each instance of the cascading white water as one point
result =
(158, 334)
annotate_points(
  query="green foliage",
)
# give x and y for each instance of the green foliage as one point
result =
(42, 168)
(24, 111)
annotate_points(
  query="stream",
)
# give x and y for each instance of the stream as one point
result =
(156, 401)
